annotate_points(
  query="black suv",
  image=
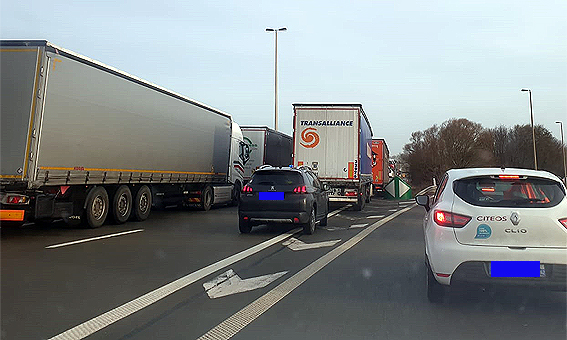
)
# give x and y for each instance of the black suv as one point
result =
(289, 195)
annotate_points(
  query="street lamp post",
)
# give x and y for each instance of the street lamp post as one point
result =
(533, 129)
(563, 150)
(276, 30)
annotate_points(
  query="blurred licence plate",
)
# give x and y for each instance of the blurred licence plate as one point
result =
(517, 269)
(271, 196)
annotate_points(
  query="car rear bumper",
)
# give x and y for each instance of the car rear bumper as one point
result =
(274, 216)
(479, 272)
(451, 258)
(349, 199)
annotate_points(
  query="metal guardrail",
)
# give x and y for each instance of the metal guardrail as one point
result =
(430, 190)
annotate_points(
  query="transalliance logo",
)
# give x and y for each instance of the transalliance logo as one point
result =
(326, 123)
(310, 137)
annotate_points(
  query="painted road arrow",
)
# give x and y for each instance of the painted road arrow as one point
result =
(295, 244)
(230, 283)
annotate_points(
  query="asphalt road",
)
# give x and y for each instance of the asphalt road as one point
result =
(369, 284)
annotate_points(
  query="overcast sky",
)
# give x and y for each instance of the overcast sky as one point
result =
(411, 64)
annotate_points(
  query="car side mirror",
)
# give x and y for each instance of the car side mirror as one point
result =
(423, 200)
(326, 187)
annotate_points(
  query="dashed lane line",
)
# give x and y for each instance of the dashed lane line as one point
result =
(93, 239)
(235, 323)
(106, 319)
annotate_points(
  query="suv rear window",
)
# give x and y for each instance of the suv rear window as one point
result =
(276, 178)
(527, 192)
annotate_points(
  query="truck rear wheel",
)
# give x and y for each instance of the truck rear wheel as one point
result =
(121, 204)
(207, 198)
(360, 203)
(236, 193)
(96, 207)
(142, 203)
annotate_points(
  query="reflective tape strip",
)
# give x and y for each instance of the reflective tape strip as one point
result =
(12, 215)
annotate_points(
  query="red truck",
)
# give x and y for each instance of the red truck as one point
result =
(380, 170)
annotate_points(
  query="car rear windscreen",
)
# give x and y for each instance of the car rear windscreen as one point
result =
(277, 178)
(523, 192)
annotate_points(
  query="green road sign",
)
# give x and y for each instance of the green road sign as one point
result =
(397, 189)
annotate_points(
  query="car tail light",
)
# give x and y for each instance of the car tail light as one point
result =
(447, 219)
(247, 188)
(295, 220)
(300, 189)
(350, 193)
(564, 222)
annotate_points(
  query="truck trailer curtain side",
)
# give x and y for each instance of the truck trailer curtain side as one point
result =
(68, 120)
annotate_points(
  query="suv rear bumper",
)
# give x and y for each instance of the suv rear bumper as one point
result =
(274, 216)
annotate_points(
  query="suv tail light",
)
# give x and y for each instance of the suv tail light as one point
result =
(247, 188)
(302, 189)
(447, 219)
(564, 222)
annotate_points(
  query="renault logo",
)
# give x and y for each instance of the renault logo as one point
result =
(515, 218)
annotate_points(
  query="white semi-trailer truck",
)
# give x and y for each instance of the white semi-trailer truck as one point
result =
(265, 146)
(83, 141)
(334, 140)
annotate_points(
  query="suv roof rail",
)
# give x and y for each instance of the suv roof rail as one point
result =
(264, 166)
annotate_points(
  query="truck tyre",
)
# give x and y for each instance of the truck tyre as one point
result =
(121, 204)
(360, 203)
(236, 193)
(206, 198)
(142, 204)
(96, 207)
(325, 218)
(309, 227)
(244, 227)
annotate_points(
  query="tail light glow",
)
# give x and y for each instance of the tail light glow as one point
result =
(300, 189)
(447, 219)
(350, 193)
(247, 188)
(509, 177)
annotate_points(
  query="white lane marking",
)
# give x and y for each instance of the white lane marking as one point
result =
(354, 226)
(393, 210)
(235, 323)
(230, 283)
(97, 323)
(375, 216)
(93, 239)
(331, 214)
(295, 244)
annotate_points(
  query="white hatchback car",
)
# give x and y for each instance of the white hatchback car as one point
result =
(495, 226)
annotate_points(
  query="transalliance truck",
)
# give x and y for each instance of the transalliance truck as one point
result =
(265, 146)
(380, 166)
(82, 141)
(334, 140)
